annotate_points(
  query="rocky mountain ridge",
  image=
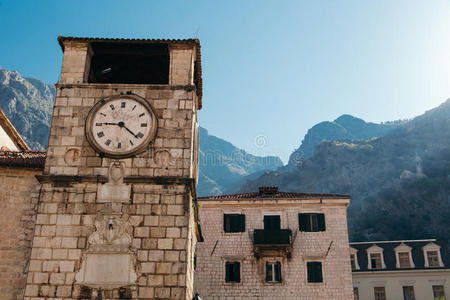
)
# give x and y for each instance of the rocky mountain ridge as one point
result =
(28, 102)
(344, 128)
(381, 176)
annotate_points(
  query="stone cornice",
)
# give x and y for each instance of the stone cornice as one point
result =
(189, 87)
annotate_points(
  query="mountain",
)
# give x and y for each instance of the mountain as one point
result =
(399, 182)
(223, 167)
(344, 128)
(28, 102)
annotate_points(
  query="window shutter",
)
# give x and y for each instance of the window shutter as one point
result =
(276, 222)
(310, 272)
(237, 271)
(278, 271)
(315, 271)
(225, 223)
(242, 223)
(227, 272)
(268, 269)
(318, 271)
(321, 222)
(303, 221)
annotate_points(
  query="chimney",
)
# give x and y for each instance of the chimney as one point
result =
(267, 190)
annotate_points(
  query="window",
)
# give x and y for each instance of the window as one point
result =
(403, 259)
(380, 293)
(438, 292)
(273, 271)
(355, 293)
(272, 223)
(233, 271)
(353, 261)
(408, 293)
(375, 261)
(403, 256)
(311, 222)
(433, 258)
(233, 223)
(129, 63)
(314, 271)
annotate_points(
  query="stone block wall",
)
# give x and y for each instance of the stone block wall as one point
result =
(143, 218)
(18, 201)
(170, 155)
(162, 239)
(330, 247)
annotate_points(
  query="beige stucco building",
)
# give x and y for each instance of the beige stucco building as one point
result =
(274, 245)
(409, 270)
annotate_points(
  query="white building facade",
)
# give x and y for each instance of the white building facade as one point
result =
(409, 270)
(274, 245)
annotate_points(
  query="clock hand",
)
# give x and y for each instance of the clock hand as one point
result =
(130, 131)
(108, 123)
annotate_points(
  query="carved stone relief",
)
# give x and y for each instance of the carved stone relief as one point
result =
(108, 261)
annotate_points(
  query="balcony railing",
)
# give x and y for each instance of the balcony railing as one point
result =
(272, 242)
(262, 237)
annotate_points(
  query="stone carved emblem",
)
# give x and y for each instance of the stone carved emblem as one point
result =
(72, 156)
(162, 158)
(109, 261)
(116, 171)
(110, 230)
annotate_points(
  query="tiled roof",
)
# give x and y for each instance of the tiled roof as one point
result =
(24, 159)
(390, 258)
(198, 63)
(278, 195)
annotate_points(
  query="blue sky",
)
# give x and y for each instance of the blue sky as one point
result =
(271, 69)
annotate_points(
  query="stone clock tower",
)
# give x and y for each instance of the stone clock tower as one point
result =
(117, 215)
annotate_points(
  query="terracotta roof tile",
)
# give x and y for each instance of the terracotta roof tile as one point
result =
(25, 159)
(278, 195)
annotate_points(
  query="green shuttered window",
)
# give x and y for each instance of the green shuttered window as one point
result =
(314, 271)
(311, 222)
(233, 271)
(233, 223)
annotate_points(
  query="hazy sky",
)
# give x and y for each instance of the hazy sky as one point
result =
(271, 69)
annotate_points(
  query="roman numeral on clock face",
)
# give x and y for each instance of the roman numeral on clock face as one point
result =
(122, 104)
(107, 142)
(100, 134)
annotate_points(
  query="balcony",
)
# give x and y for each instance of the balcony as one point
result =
(272, 242)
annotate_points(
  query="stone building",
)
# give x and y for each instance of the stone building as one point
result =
(18, 199)
(114, 214)
(274, 245)
(411, 269)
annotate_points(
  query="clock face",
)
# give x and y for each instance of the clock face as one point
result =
(121, 126)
